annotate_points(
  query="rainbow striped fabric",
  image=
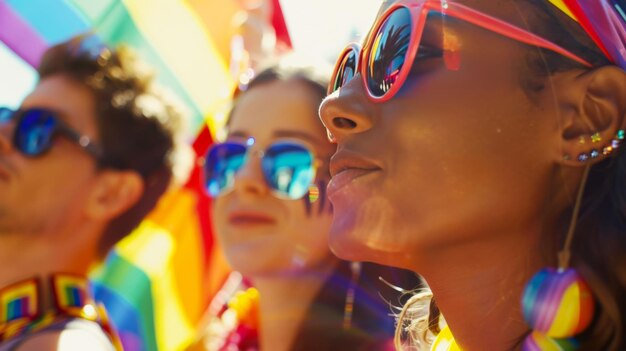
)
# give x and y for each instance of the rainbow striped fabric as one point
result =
(71, 293)
(157, 282)
(604, 21)
(19, 301)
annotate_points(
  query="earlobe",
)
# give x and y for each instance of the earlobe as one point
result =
(594, 126)
(115, 192)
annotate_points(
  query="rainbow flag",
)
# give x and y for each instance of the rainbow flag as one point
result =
(157, 282)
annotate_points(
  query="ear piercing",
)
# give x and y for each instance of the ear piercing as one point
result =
(557, 303)
(595, 138)
(595, 153)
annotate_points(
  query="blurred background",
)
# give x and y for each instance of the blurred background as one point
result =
(159, 282)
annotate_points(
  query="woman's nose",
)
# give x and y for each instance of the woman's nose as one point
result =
(249, 179)
(347, 111)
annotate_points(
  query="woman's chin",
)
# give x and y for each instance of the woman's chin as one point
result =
(350, 245)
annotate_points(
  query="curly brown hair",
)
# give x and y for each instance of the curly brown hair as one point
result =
(138, 128)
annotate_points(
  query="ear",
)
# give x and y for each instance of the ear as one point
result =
(114, 193)
(595, 104)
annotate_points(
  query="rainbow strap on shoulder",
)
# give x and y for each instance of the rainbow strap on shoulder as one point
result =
(445, 341)
(604, 21)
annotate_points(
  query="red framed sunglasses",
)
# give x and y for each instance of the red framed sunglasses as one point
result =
(386, 58)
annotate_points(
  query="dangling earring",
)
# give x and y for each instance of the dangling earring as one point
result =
(355, 269)
(314, 193)
(557, 303)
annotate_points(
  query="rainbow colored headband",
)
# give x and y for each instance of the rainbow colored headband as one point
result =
(604, 21)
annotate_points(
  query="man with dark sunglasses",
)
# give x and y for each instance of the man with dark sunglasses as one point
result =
(82, 161)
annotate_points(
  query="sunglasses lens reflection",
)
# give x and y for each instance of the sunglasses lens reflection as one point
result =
(388, 52)
(346, 70)
(288, 169)
(5, 114)
(33, 134)
(222, 163)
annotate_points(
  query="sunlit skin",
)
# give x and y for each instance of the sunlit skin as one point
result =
(270, 240)
(32, 212)
(54, 207)
(461, 176)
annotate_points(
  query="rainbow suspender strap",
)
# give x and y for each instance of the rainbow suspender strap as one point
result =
(22, 311)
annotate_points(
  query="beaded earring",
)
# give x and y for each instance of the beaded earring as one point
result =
(557, 303)
(314, 193)
(348, 308)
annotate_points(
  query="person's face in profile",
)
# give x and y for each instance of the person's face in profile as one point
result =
(46, 192)
(456, 155)
(262, 234)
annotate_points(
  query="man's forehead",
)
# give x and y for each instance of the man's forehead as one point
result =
(73, 102)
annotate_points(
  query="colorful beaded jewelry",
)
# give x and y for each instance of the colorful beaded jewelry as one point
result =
(557, 303)
(540, 342)
(595, 153)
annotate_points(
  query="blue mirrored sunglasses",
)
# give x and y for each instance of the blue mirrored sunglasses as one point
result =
(36, 128)
(288, 167)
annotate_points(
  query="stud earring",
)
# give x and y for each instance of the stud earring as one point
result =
(596, 138)
(607, 150)
(615, 143)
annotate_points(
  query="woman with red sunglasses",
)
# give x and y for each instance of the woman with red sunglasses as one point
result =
(479, 144)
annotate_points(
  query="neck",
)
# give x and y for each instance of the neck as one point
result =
(283, 304)
(43, 254)
(478, 288)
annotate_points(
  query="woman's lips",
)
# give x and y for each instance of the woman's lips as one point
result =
(346, 168)
(345, 178)
(246, 218)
